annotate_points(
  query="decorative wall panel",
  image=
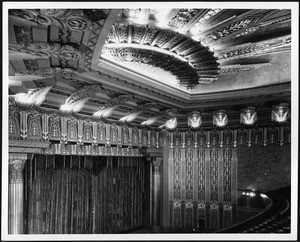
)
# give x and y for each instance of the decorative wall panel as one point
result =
(34, 124)
(197, 178)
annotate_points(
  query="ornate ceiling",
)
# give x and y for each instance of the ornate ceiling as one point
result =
(133, 66)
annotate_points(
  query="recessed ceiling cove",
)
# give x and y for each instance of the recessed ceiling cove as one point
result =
(186, 59)
(191, 49)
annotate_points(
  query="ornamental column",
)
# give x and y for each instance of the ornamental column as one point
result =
(156, 177)
(15, 193)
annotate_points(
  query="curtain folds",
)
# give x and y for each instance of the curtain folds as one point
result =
(84, 195)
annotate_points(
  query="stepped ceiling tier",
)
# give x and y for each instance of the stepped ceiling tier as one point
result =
(133, 66)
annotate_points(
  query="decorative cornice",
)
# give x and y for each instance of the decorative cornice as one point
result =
(83, 150)
(28, 144)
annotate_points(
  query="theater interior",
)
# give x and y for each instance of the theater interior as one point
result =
(152, 120)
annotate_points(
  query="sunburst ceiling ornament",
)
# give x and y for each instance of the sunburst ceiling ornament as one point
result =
(166, 48)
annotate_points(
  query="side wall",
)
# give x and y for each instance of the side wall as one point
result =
(264, 168)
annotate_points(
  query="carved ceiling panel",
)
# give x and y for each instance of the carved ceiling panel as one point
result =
(185, 59)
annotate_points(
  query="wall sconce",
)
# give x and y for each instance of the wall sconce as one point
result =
(171, 123)
(220, 118)
(248, 116)
(104, 112)
(194, 120)
(34, 97)
(280, 113)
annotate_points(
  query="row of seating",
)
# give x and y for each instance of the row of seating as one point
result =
(277, 223)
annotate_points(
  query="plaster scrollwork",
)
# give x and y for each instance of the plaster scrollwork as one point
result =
(77, 23)
(31, 15)
(73, 19)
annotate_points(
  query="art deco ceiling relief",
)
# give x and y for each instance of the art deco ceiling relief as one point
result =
(133, 66)
(194, 44)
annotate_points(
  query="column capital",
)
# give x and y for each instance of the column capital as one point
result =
(157, 161)
(17, 156)
(152, 152)
(16, 166)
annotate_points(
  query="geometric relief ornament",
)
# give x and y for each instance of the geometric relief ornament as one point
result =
(101, 129)
(34, 123)
(113, 134)
(14, 125)
(54, 128)
(87, 131)
(72, 127)
(125, 135)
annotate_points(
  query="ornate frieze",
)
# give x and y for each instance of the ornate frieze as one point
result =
(32, 124)
(225, 31)
(83, 150)
(253, 49)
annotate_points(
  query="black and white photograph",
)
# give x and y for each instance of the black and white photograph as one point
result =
(178, 120)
